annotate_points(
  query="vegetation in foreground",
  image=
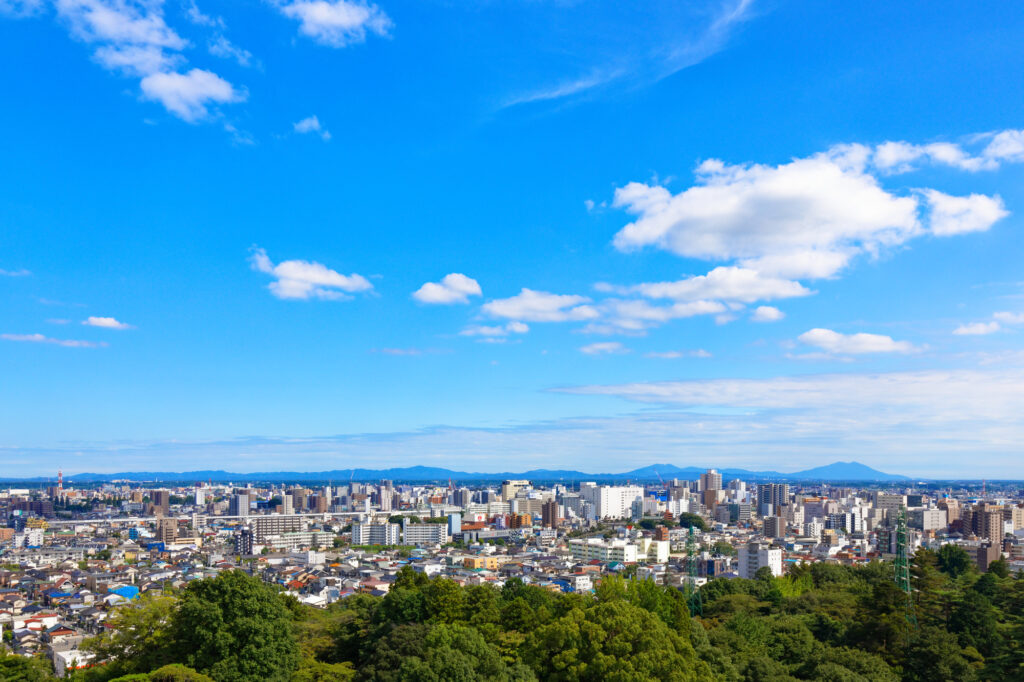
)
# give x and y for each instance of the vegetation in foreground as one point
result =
(820, 622)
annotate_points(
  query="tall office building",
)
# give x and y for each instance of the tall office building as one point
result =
(239, 505)
(774, 527)
(711, 480)
(161, 500)
(549, 514)
(770, 497)
(166, 530)
(510, 488)
(287, 505)
(244, 542)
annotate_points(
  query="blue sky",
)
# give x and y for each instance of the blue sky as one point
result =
(306, 235)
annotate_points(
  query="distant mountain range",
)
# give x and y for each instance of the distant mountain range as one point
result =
(837, 471)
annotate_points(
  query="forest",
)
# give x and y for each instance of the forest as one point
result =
(819, 622)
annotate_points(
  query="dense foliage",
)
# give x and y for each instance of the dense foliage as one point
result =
(820, 622)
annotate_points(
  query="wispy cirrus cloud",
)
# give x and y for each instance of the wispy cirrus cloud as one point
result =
(43, 339)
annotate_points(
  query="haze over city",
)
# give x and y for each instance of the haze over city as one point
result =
(496, 237)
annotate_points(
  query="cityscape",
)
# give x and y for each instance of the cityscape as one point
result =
(511, 341)
(73, 555)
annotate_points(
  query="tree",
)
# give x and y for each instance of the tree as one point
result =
(1000, 568)
(457, 653)
(954, 560)
(686, 520)
(22, 669)
(139, 638)
(234, 628)
(613, 640)
(724, 548)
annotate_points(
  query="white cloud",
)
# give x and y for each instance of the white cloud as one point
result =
(105, 322)
(497, 331)
(299, 279)
(726, 283)
(187, 94)
(453, 288)
(676, 354)
(39, 338)
(14, 273)
(899, 157)
(604, 348)
(1007, 145)
(767, 313)
(618, 315)
(541, 306)
(977, 329)
(337, 23)
(958, 215)
(225, 49)
(311, 124)
(197, 17)
(854, 344)
(132, 37)
(805, 218)
(1009, 318)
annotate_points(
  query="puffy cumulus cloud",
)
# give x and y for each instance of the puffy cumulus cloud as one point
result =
(541, 306)
(823, 210)
(299, 279)
(809, 217)
(957, 215)
(105, 322)
(336, 23)
(187, 95)
(726, 283)
(1007, 145)
(977, 329)
(767, 313)
(604, 348)
(453, 288)
(40, 338)
(311, 124)
(854, 344)
(132, 37)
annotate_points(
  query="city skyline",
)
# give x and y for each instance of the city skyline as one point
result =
(501, 237)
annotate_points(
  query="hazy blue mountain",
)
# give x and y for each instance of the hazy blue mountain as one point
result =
(837, 471)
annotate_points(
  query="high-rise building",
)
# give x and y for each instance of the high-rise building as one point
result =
(166, 530)
(161, 500)
(511, 487)
(200, 495)
(287, 505)
(239, 505)
(756, 555)
(549, 514)
(771, 496)
(774, 527)
(454, 524)
(711, 480)
(244, 542)
(611, 502)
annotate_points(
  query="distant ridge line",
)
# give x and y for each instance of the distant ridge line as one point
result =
(837, 471)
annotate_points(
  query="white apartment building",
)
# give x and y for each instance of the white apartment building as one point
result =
(603, 550)
(611, 502)
(756, 555)
(424, 533)
(376, 534)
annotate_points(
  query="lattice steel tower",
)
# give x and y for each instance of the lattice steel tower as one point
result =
(693, 597)
(903, 564)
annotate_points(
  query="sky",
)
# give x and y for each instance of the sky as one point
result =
(302, 235)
